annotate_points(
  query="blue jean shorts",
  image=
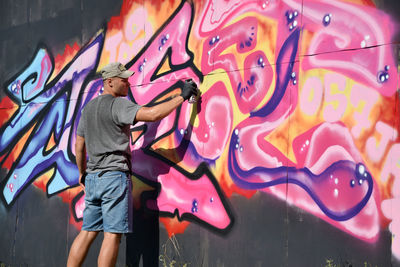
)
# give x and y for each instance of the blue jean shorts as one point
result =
(108, 202)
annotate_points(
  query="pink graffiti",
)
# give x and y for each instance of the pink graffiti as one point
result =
(369, 97)
(178, 192)
(323, 145)
(334, 195)
(347, 29)
(320, 147)
(148, 87)
(312, 86)
(154, 131)
(390, 206)
(316, 150)
(10, 186)
(192, 198)
(215, 122)
(124, 45)
(172, 38)
(79, 207)
(332, 113)
(337, 103)
(365, 225)
(257, 70)
(375, 152)
(336, 26)
(169, 44)
(217, 13)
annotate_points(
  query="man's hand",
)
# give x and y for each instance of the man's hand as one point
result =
(82, 180)
(189, 89)
(80, 153)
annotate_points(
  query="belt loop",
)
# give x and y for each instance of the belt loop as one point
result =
(102, 173)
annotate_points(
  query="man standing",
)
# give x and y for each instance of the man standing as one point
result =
(103, 132)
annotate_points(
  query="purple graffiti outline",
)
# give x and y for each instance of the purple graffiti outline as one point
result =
(298, 176)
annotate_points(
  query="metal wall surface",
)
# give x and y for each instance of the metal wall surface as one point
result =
(290, 158)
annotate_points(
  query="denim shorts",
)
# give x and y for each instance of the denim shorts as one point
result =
(108, 202)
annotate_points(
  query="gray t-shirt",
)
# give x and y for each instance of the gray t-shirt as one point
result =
(105, 125)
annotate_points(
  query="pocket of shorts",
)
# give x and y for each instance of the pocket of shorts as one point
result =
(113, 186)
(89, 189)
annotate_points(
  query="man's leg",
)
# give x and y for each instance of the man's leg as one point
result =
(80, 248)
(109, 250)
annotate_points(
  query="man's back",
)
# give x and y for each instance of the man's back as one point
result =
(105, 125)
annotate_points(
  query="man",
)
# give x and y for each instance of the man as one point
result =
(103, 132)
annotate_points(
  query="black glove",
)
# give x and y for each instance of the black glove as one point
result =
(189, 88)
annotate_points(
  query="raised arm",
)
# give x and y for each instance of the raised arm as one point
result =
(159, 111)
(162, 110)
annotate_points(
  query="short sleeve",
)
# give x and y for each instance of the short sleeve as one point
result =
(81, 127)
(124, 111)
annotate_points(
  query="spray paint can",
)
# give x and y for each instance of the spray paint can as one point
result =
(192, 98)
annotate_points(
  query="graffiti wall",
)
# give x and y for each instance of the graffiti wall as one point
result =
(290, 157)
